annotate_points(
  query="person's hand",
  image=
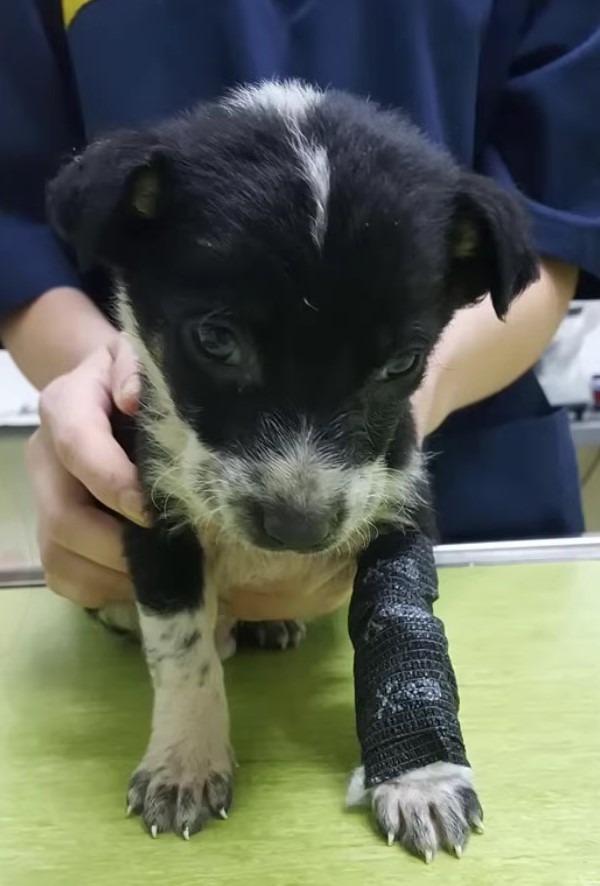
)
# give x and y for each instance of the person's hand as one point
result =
(75, 462)
(422, 409)
(431, 402)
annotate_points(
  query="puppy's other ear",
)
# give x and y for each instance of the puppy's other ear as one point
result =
(107, 195)
(489, 245)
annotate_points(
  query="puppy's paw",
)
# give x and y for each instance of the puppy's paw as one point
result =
(180, 793)
(270, 634)
(425, 809)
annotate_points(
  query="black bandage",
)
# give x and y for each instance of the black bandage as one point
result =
(406, 695)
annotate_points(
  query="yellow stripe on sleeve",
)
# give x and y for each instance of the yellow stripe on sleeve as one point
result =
(70, 8)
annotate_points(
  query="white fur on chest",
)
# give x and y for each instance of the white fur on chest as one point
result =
(318, 583)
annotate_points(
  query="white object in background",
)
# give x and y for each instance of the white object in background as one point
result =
(18, 399)
(590, 350)
(572, 357)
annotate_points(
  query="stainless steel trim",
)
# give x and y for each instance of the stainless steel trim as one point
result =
(553, 550)
(22, 577)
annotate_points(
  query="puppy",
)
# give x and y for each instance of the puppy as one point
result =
(284, 261)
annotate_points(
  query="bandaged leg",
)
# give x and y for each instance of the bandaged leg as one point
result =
(414, 765)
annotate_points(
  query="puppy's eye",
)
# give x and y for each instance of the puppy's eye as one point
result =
(216, 341)
(400, 366)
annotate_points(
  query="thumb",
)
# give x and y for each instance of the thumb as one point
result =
(125, 379)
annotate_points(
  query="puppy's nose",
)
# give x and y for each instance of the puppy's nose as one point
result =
(294, 530)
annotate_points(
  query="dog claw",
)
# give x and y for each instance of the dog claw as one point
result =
(154, 831)
(129, 810)
(223, 814)
(428, 856)
(390, 838)
(458, 850)
(478, 825)
(186, 833)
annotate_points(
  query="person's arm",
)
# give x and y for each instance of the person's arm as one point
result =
(544, 142)
(39, 127)
(57, 336)
(479, 355)
(55, 333)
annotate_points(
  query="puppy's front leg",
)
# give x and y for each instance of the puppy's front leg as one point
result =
(415, 768)
(185, 775)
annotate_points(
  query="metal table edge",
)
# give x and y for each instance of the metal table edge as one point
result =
(553, 550)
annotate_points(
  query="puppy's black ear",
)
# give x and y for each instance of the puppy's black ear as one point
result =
(489, 245)
(108, 195)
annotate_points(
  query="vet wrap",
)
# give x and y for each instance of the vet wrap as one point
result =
(406, 694)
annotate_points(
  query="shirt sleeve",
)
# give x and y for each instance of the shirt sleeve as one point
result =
(544, 138)
(38, 128)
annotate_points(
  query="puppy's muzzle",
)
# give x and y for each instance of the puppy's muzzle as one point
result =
(286, 528)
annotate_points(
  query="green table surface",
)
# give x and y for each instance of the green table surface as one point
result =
(74, 709)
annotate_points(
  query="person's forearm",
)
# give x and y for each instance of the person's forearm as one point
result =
(479, 355)
(54, 334)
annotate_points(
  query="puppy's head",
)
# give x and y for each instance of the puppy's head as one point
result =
(286, 261)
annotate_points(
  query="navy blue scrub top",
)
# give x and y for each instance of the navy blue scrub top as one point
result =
(511, 87)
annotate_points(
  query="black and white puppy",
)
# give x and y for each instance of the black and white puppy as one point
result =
(285, 260)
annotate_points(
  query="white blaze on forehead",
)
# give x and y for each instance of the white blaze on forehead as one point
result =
(316, 165)
(285, 97)
(293, 102)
